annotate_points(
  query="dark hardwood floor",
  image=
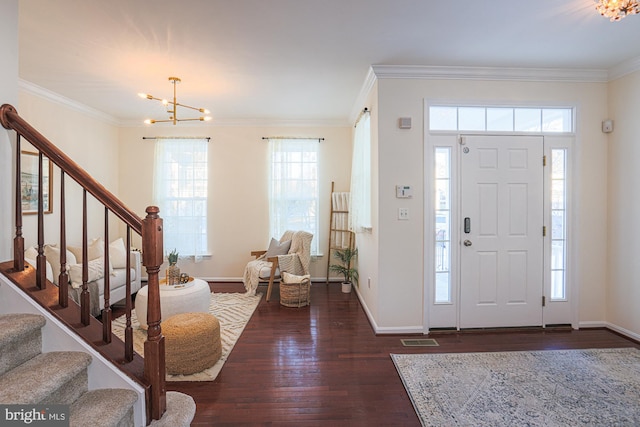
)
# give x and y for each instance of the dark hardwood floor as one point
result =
(323, 365)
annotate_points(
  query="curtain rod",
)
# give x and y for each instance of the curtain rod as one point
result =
(208, 138)
(362, 113)
(290, 137)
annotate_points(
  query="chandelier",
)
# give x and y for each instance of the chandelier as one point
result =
(172, 107)
(615, 10)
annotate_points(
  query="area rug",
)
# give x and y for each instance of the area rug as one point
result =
(599, 387)
(233, 311)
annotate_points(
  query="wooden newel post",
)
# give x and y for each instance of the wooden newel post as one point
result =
(154, 362)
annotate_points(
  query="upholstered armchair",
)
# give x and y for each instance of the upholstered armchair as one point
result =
(292, 253)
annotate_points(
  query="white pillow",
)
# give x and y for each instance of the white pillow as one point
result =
(52, 253)
(31, 253)
(95, 269)
(118, 254)
(95, 249)
(292, 278)
(77, 252)
(276, 248)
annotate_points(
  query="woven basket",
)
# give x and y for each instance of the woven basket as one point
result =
(295, 294)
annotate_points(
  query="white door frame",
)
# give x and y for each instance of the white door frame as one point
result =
(450, 139)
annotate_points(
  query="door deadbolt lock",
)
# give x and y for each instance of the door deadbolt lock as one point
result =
(467, 243)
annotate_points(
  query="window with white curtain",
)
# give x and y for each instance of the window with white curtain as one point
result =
(180, 191)
(293, 190)
(294, 194)
(360, 217)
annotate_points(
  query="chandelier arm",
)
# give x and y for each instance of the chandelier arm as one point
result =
(172, 107)
(188, 106)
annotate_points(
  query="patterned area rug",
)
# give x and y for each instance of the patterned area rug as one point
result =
(533, 388)
(233, 311)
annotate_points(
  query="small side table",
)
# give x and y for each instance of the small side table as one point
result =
(193, 298)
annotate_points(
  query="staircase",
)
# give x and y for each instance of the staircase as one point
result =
(52, 351)
(31, 375)
(28, 376)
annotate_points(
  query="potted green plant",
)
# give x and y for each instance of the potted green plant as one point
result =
(173, 272)
(350, 273)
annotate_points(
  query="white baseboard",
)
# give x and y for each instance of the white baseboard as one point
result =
(592, 324)
(627, 333)
(384, 330)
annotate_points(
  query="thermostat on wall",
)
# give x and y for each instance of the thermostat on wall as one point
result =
(404, 191)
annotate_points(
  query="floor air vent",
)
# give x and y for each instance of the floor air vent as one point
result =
(423, 342)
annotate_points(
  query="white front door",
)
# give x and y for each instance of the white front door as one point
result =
(501, 252)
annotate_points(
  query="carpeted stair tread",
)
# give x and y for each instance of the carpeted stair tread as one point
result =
(104, 407)
(55, 377)
(20, 339)
(181, 409)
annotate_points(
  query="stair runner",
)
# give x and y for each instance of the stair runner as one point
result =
(28, 376)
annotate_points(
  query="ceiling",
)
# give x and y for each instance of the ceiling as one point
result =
(294, 60)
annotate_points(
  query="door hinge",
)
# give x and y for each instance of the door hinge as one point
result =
(544, 160)
(461, 140)
(544, 231)
(544, 300)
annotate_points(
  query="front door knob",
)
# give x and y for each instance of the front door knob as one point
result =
(467, 243)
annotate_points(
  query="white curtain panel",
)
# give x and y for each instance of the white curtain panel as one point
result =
(180, 191)
(293, 189)
(360, 218)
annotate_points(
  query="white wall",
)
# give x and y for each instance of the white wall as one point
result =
(238, 192)
(93, 144)
(8, 95)
(623, 292)
(400, 161)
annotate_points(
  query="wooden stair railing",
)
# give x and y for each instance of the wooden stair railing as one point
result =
(150, 228)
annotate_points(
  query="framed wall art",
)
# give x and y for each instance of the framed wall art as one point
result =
(29, 183)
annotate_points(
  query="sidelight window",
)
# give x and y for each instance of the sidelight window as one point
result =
(443, 225)
(558, 223)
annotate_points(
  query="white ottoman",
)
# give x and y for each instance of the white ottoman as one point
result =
(194, 297)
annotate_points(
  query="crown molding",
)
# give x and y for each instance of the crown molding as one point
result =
(624, 68)
(367, 85)
(229, 122)
(490, 73)
(41, 92)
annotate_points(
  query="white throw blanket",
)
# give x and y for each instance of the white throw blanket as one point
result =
(295, 262)
(251, 276)
(340, 206)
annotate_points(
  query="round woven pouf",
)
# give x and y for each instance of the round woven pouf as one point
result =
(192, 342)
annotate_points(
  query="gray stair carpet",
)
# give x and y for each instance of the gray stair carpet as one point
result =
(180, 411)
(20, 339)
(28, 376)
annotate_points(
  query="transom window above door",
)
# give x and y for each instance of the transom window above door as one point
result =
(500, 119)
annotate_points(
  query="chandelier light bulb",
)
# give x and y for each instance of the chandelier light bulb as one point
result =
(208, 118)
(172, 107)
(615, 10)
